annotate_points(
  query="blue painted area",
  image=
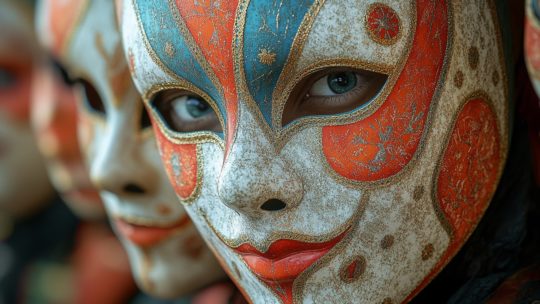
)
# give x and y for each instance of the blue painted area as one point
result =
(271, 25)
(169, 44)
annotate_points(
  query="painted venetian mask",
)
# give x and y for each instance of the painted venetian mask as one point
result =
(329, 151)
(21, 166)
(54, 116)
(532, 42)
(166, 253)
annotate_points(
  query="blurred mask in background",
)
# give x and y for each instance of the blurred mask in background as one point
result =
(54, 117)
(168, 257)
(24, 185)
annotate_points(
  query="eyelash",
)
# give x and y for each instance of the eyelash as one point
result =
(332, 100)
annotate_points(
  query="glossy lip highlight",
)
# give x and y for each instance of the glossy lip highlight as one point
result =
(147, 235)
(285, 260)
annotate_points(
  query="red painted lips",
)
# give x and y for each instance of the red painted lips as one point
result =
(146, 235)
(284, 261)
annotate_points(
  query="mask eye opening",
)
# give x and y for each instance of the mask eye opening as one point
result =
(332, 91)
(90, 97)
(182, 111)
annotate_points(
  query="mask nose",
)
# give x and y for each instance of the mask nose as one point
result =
(120, 166)
(255, 180)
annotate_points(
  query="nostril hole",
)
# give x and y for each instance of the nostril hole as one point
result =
(273, 205)
(132, 188)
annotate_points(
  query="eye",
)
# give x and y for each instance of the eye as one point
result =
(90, 96)
(186, 112)
(334, 84)
(332, 91)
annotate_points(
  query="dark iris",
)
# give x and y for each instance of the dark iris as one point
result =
(197, 108)
(342, 82)
(7, 79)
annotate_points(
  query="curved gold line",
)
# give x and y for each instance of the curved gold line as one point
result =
(434, 194)
(274, 236)
(195, 48)
(279, 94)
(285, 133)
(181, 81)
(300, 282)
(435, 100)
(195, 137)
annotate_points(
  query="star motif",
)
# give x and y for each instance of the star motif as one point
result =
(266, 57)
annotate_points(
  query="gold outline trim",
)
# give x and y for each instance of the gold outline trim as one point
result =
(300, 282)
(479, 94)
(426, 133)
(281, 91)
(181, 82)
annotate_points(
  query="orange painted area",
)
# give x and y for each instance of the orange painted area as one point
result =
(62, 18)
(467, 177)
(211, 24)
(180, 162)
(382, 144)
(532, 45)
(468, 173)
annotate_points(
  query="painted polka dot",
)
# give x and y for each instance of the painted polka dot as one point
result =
(387, 242)
(427, 253)
(353, 269)
(473, 57)
(383, 24)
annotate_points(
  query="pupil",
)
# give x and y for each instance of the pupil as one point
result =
(342, 82)
(196, 107)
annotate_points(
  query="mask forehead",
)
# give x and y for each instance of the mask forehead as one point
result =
(58, 21)
(260, 42)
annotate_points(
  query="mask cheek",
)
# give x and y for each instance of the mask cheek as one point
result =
(181, 164)
(469, 170)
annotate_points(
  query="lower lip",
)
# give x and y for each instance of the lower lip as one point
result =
(285, 260)
(146, 235)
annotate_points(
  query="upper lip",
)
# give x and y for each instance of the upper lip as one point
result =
(285, 259)
(146, 235)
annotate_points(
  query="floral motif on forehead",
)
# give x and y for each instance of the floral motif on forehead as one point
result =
(383, 24)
